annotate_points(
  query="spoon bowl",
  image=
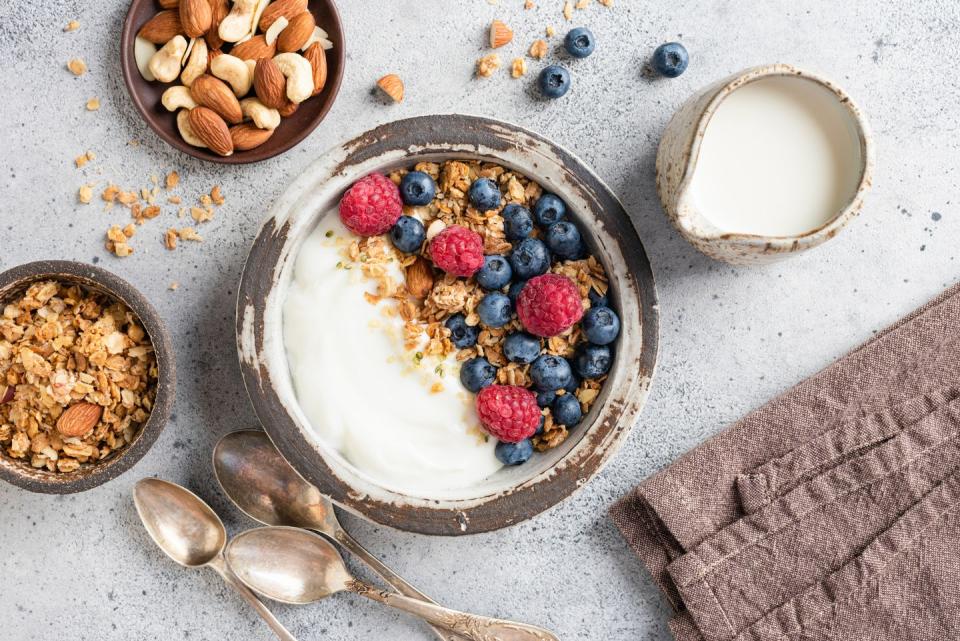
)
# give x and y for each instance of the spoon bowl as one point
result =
(179, 522)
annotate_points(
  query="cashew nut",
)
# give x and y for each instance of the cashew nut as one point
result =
(186, 131)
(299, 75)
(165, 64)
(233, 71)
(241, 19)
(273, 32)
(262, 116)
(143, 51)
(197, 64)
(177, 97)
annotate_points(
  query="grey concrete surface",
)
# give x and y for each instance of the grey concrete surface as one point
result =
(81, 567)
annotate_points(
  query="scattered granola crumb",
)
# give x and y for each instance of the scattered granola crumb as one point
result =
(518, 67)
(174, 200)
(129, 230)
(170, 239)
(174, 286)
(73, 25)
(77, 66)
(217, 196)
(568, 10)
(538, 49)
(84, 158)
(487, 65)
(606, 3)
(133, 142)
(93, 104)
(201, 214)
(189, 233)
(172, 180)
(85, 194)
(550, 31)
(529, 4)
(117, 242)
(582, 4)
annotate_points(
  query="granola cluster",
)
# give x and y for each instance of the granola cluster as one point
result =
(427, 297)
(61, 346)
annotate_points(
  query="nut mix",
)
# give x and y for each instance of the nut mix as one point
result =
(78, 376)
(232, 99)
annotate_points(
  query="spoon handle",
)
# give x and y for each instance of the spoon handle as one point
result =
(391, 577)
(471, 626)
(247, 595)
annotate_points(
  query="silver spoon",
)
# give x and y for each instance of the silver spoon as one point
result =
(191, 533)
(266, 488)
(292, 565)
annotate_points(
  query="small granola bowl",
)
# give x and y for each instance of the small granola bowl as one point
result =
(87, 376)
(511, 494)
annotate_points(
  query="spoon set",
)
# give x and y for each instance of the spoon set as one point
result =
(292, 559)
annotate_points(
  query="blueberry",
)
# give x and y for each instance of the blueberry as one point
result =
(596, 299)
(592, 361)
(543, 420)
(477, 373)
(514, 290)
(579, 42)
(517, 222)
(573, 384)
(545, 399)
(462, 334)
(549, 209)
(417, 188)
(495, 272)
(530, 258)
(563, 239)
(554, 81)
(495, 309)
(550, 373)
(521, 347)
(601, 325)
(670, 59)
(407, 234)
(566, 410)
(513, 453)
(484, 194)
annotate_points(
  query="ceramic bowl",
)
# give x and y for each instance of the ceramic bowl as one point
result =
(292, 130)
(513, 494)
(20, 473)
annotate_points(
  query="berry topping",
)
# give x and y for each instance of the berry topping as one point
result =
(371, 206)
(417, 188)
(530, 258)
(457, 250)
(477, 373)
(601, 325)
(563, 239)
(579, 42)
(495, 273)
(517, 222)
(484, 194)
(514, 290)
(566, 410)
(549, 305)
(554, 81)
(551, 373)
(508, 412)
(514, 453)
(461, 334)
(670, 59)
(408, 234)
(521, 347)
(592, 361)
(549, 209)
(495, 309)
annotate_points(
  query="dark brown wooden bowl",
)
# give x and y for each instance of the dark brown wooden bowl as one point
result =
(14, 281)
(146, 95)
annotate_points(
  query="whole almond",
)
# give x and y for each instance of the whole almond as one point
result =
(317, 58)
(247, 136)
(209, 91)
(297, 32)
(419, 278)
(211, 129)
(500, 34)
(254, 49)
(78, 419)
(269, 83)
(392, 85)
(218, 11)
(286, 8)
(169, 4)
(161, 28)
(8, 392)
(288, 108)
(196, 17)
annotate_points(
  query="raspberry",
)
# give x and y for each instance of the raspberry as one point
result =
(458, 251)
(508, 412)
(371, 206)
(549, 305)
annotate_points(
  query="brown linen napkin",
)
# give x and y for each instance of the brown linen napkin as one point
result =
(827, 511)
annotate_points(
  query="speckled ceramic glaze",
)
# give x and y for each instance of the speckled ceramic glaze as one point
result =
(677, 162)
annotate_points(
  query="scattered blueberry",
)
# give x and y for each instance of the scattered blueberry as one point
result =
(554, 81)
(530, 258)
(408, 233)
(545, 399)
(549, 209)
(579, 42)
(592, 361)
(550, 373)
(514, 290)
(514, 453)
(477, 373)
(521, 347)
(566, 410)
(597, 299)
(517, 222)
(563, 239)
(484, 194)
(601, 325)
(495, 272)
(417, 188)
(670, 59)
(495, 309)
(461, 334)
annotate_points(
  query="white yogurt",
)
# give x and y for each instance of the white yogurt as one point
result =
(363, 392)
(779, 157)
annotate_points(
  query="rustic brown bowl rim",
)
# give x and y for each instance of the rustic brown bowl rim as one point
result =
(89, 476)
(319, 105)
(400, 143)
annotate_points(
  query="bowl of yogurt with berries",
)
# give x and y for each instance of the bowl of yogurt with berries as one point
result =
(447, 334)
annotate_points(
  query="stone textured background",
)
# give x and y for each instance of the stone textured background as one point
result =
(81, 567)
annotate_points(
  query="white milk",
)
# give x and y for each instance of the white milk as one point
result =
(363, 392)
(779, 157)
